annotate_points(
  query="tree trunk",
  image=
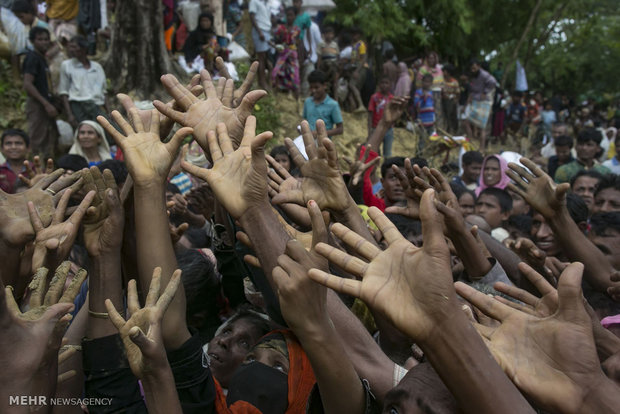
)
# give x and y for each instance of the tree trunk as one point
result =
(527, 29)
(542, 39)
(137, 56)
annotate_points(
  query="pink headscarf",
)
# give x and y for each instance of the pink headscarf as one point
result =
(403, 84)
(503, 180)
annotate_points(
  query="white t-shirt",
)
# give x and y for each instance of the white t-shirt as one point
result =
(261, 14)
(315, 37)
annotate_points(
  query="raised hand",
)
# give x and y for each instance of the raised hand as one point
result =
(526, 249)
(35, 172)
(358, 167)
(204, 115)
(322, 180)
(394, 109)
(537, 188)
(36, 334)
(53, 242)
(411, 286)
(242, 90)
(238, 177)
(148, 159)
(15, 227)
(103, 223)
(413, 192)
(539, 353)
(141, 332)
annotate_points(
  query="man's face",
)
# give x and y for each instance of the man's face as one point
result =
(607, 200)
(584, 187)
(586, 151)
(608, 242)
(563, 153)
(519, 205)
(471, 172)
(14, 148)
(543, 236)
(228, 349)
(392, 188)
(489, 209)
(297, 5)
(41, 42)
(474, 68)
(557, 130)
(318, 91)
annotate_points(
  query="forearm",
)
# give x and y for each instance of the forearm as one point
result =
(475, 262)
(66, 106)
(340, 387)
(32, 91)
(338, 130)
(160, 393)
(466, 366)
(105, 282)
(352, 218)
(576, 246)
(602, 398)
(155, 249)
(376, 138)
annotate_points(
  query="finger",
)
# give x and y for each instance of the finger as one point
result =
(570, 295)
(59, 213)
(221, 68)
(360, 245)
(164, 300)
(78, 214)
(280, 277)
(535, 169)
(404, 182)
(541, 284)
(29, 172)
(519, 181)
(516, 293)
(296, 155)
(137, 337)
(49, 167)
(133, 304)
(65, 376)
(155, 122)
(153, 295)
(214, 146)
(194, 170)
(169, 111)
(275, 179)
(387, 228)
(521, 308)
(122, 122)
(258, 150)
(109, 181)
(252, 260)
(223, 139)
(37, 287)
(347, 286)
(432, 226)
(182, 96)
(74, 287)
(207, 84)
(57, 284)
(63, 356)
(277, 167)
(485, 303)
(227, 94)
(117, 320)
(247, 103)
(182, 229)
(11, 304)
(319, 230)
(244, 239)
(331, 153)
(308, 138)
(247, 83)
(134, 116)
(341, 259)
(219, 89)
(35, 219)
(177, 139)
(47, 181)
(109, 128)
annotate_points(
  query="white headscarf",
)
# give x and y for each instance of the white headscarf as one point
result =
(103, 148)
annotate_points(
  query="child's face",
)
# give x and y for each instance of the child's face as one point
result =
(467, 204)
(318, 90)
(284, 161)
(586, 150)
(384, 86)
(290, 17)
(427, 83)
(14, 148)
(329, 36)
(563, 153)
(489, 209)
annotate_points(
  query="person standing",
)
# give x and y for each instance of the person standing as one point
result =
(14, 146)
(82, 85)
(40, 111)
(376, 105)
(481, 88)
(261, 35)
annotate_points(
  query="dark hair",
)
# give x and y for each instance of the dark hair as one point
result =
(251, 313)
(118, 169)
(208, 16)
(587, 173)
(471, 157)
(387, 164)
(419, 161)
(35, 31)
(409, 228)
(290, 9)
(23, 6)
(459, 190)
(449, 67)
(71, 162)
(317, 76)
(522, 222)
(564, 141)
(279, 150)
(577, 208)
(81, 41)
(589, 134)
(474, 61)
(608, 181)
(389, 54)
(172, 188)
(599, 222)
(502, 196)
(328, 29)
(426, 77)
(200, 280)
(15, 132)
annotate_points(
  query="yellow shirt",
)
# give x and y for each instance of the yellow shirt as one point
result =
(62, 9)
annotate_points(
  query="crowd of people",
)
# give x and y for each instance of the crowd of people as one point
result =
(197, 268)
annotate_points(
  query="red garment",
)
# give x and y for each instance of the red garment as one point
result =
(9, 178)
(369, 198)
(376, 105)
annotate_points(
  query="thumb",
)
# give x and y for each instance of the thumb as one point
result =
(561, 190)
(139, 338)
(177, 139)
(570, 296)
(247, 104)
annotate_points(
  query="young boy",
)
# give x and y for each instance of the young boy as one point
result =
(588, 145)
(14, 146)
(319, 105)
(472, 165)
(40, 111)
(424, 105)
(376, 105)
(328, 56)
(515, 112)
(494, 206)
(563, 146)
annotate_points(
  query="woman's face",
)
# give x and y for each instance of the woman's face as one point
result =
(431, 59)
(492, 173)
(284, 161)
(205, 23)
(269, 357)
(88, 137)
(290, 17)
(467, 204)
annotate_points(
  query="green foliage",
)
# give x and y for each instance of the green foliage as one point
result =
(267, 117)
(12, 99)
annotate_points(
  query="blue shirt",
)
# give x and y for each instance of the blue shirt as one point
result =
(328, 111)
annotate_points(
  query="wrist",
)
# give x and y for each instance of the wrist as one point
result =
(255, 213)
(351, 210)
(601, 396)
